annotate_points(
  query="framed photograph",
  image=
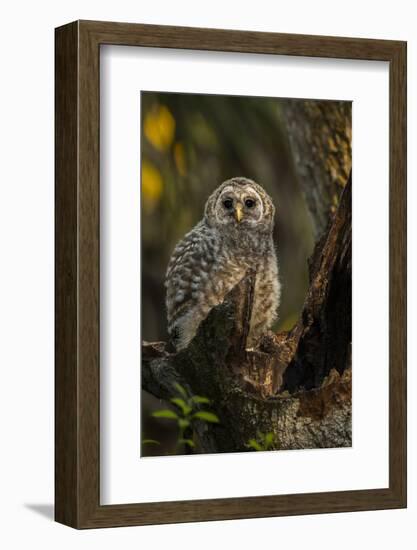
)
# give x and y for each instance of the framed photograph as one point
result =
(230, 274)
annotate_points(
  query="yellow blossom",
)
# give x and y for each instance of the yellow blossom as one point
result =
(152, 186)
(159, 127)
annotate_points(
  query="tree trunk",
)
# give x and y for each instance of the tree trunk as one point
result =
(297, 384)
(320, 134)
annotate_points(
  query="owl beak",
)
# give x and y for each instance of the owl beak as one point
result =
(238, 212)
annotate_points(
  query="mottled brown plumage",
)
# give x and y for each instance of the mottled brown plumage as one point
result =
(234, 235)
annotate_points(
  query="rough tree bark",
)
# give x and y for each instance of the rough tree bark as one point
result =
(320, 135)
(297, 384)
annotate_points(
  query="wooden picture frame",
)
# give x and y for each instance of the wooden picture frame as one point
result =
(77, 375)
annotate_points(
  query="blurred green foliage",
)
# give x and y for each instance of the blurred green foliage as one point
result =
(190, 143)
(186, 412)
(262, 442)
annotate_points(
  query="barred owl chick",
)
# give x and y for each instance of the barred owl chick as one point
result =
(234, 235)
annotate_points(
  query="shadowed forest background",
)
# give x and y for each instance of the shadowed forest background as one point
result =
(190, 144)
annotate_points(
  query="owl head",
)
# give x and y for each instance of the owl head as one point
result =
(240, 203)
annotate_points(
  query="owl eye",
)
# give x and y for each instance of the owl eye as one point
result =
(228, 203)
(249, 203)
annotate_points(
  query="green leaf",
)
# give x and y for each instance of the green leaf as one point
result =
(186, 409)
(269, 439)
(183, 423)
(188, 442)
(206, 416)
(165, 413)
(253, 444)
(150, 442)
(181, 389)
(200, 399)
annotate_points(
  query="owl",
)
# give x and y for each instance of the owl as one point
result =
(234, 235)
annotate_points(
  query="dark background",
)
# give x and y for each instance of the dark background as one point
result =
(191, 144)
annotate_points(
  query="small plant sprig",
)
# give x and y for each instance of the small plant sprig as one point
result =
(150, 442)
(188, 411)
(263, 442)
